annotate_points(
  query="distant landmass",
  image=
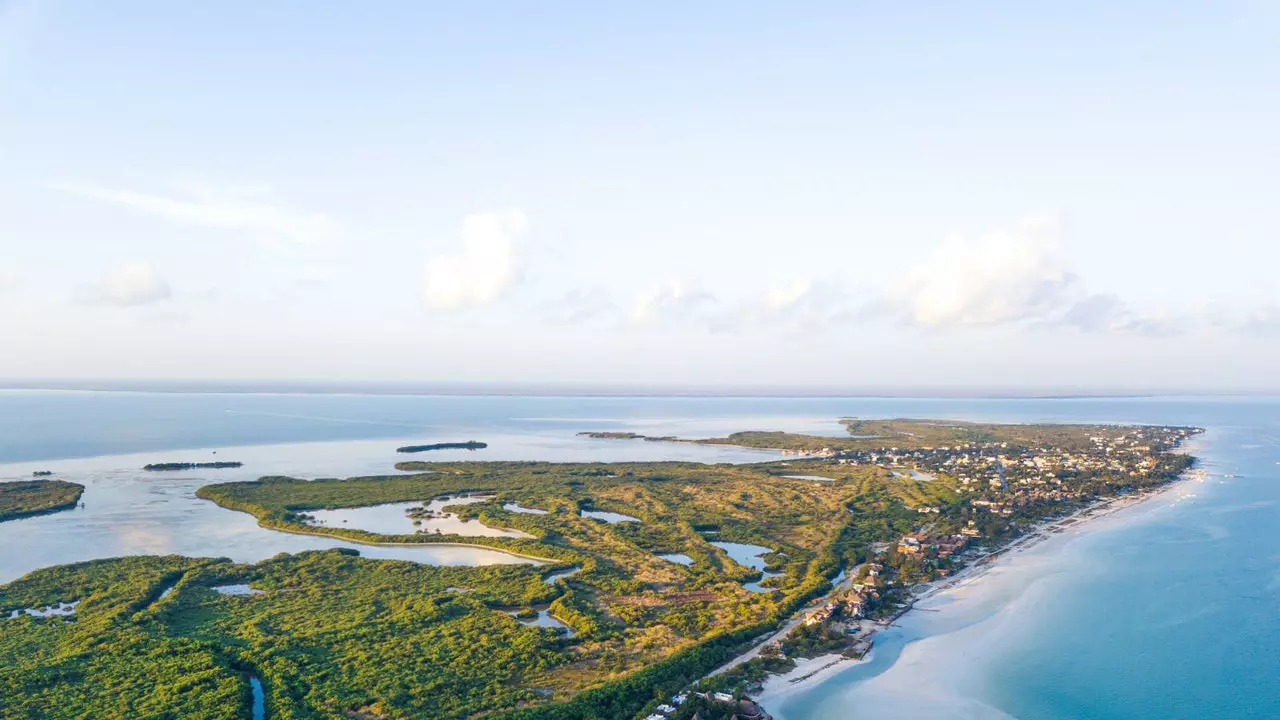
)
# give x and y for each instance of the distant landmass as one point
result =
(191, 466)
(628, 436)
(468, 445)
(25, 498)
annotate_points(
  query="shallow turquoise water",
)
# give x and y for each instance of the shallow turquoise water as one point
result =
(1169, 610)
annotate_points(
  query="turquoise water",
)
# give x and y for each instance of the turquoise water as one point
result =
(1168, 611)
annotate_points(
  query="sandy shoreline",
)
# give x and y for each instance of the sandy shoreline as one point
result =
(812, 672)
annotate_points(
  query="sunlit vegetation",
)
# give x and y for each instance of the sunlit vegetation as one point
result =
(337, 636)
(36, 497)
(639, 620)
(332, 633)
(908, 434)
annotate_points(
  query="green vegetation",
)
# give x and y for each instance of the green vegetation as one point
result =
(37, 497)
(338, 636)
(333, 633)
(809, 641)
(191, 466)
(630, 436)
(468, 445)
(908, 434)
(639, 620)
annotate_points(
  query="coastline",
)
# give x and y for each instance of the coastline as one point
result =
(810, 673)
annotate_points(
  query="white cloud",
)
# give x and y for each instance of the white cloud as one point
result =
(484, 268)
(787, 296)
(673, 301)
(999, 278)
(241, 211)
(127, 286)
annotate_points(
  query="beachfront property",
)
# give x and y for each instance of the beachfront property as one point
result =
(979, 467)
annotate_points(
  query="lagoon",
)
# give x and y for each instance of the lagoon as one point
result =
(609, 517)
(517, 508)
(546, 620)
(677, 558)
(751, 556)
(395, 519)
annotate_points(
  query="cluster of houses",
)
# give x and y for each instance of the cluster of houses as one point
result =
(851, 605)
(743, 709)
(826, 452)
(1022, 476)
(997, 465)
(942, 547)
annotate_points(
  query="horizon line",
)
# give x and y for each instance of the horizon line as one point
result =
(603, 390)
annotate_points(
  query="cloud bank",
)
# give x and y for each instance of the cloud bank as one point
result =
(484, 268)
(674, 301)
(1000, 278)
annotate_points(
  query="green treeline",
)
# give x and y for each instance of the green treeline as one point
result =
(191, 466)
(24, 498)
(468, 445)
(334, 635)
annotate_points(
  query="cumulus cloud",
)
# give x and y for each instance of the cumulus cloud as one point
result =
(784, 297)
(1000, 278)
(484, 268)
(244, 210)
(673, 301)
(126, 286)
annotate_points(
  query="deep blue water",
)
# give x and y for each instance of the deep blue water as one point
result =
(1174, 613)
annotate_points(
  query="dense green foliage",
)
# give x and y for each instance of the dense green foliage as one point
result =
(332, 632)
(36, 497)
(337, 636)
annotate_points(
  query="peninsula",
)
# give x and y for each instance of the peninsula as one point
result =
(25, 498)
(667, 574)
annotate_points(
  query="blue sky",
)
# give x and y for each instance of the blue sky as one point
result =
(845, 193)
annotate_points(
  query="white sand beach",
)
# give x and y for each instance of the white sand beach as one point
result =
(925, 664)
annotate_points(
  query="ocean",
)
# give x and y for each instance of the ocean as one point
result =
(1168, 609)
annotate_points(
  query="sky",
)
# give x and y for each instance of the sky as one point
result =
(845, 194)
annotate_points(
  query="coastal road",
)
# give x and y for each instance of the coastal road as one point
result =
(845, 583)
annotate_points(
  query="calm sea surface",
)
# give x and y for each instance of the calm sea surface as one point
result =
(1170, 611)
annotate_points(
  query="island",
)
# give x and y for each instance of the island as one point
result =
(42, 473)
(161, 467)
(25, 498)
(630, 436)
(674, 587)
(468, 445)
